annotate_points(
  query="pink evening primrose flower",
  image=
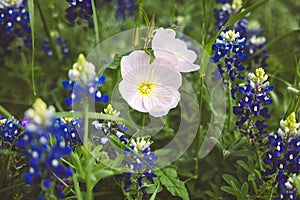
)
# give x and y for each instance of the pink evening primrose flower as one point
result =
(149, 88)
(173, 52)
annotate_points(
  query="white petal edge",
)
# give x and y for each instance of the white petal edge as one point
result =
(136, 58)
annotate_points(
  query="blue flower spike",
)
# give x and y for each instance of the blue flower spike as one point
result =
(83, 81)
(282, 158)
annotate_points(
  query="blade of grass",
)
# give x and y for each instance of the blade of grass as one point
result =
(5, 112)
(146, 19)
(56, 102)
(31, 16)
(96, 25)
(276, 40)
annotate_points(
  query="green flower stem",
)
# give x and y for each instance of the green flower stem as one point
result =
(77, 188)
(297, 104)
(86, 121)
(89, 189)
(140, 16)
(271, 194)
(143, 124)
(199, 127)
(47, 31)
(258, 159)
(62, 182)
(138, 195)
(229, 106)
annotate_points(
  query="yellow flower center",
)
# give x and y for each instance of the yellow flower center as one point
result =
(145, 88)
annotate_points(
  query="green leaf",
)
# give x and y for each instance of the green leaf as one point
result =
(228, 189)
(211, 194)
(237, 144)
(117, 143)
(230, 180)
(118, 160)
(97, 175)
(215, 188)
(168, 178)
(244, 165)
(77, 163)
(297, 183)
(244, 189)
(153, 196)
(242, 153)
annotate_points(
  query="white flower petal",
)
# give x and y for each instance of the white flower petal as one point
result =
(135, 59)
(186, 66)
(174, 50)
(163, 99)
(165, 76)
(130, 94)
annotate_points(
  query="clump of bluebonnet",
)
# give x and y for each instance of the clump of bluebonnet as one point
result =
(60, 42)
(227, 9)
(80, 12)
(283, 158)
(10, 130)
(44, 145)
(141, 161)
(14, 25)
(229, 55)
(252, 109)
(125, 8)
(249, 29)
(84, 82)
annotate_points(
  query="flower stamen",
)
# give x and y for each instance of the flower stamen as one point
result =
(146, 88)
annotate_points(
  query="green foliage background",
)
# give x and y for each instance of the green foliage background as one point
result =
(230, 171)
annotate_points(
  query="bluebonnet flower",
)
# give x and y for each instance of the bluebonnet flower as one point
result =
(229, 54)
(70, 129)
(80, 12)
(141, 161)
(60, 42)
(45, 145)
(125, 8)
(84, 82)
(255, 43)
(283, 158)
(14, 24)
(252, 109)
(10, 129)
